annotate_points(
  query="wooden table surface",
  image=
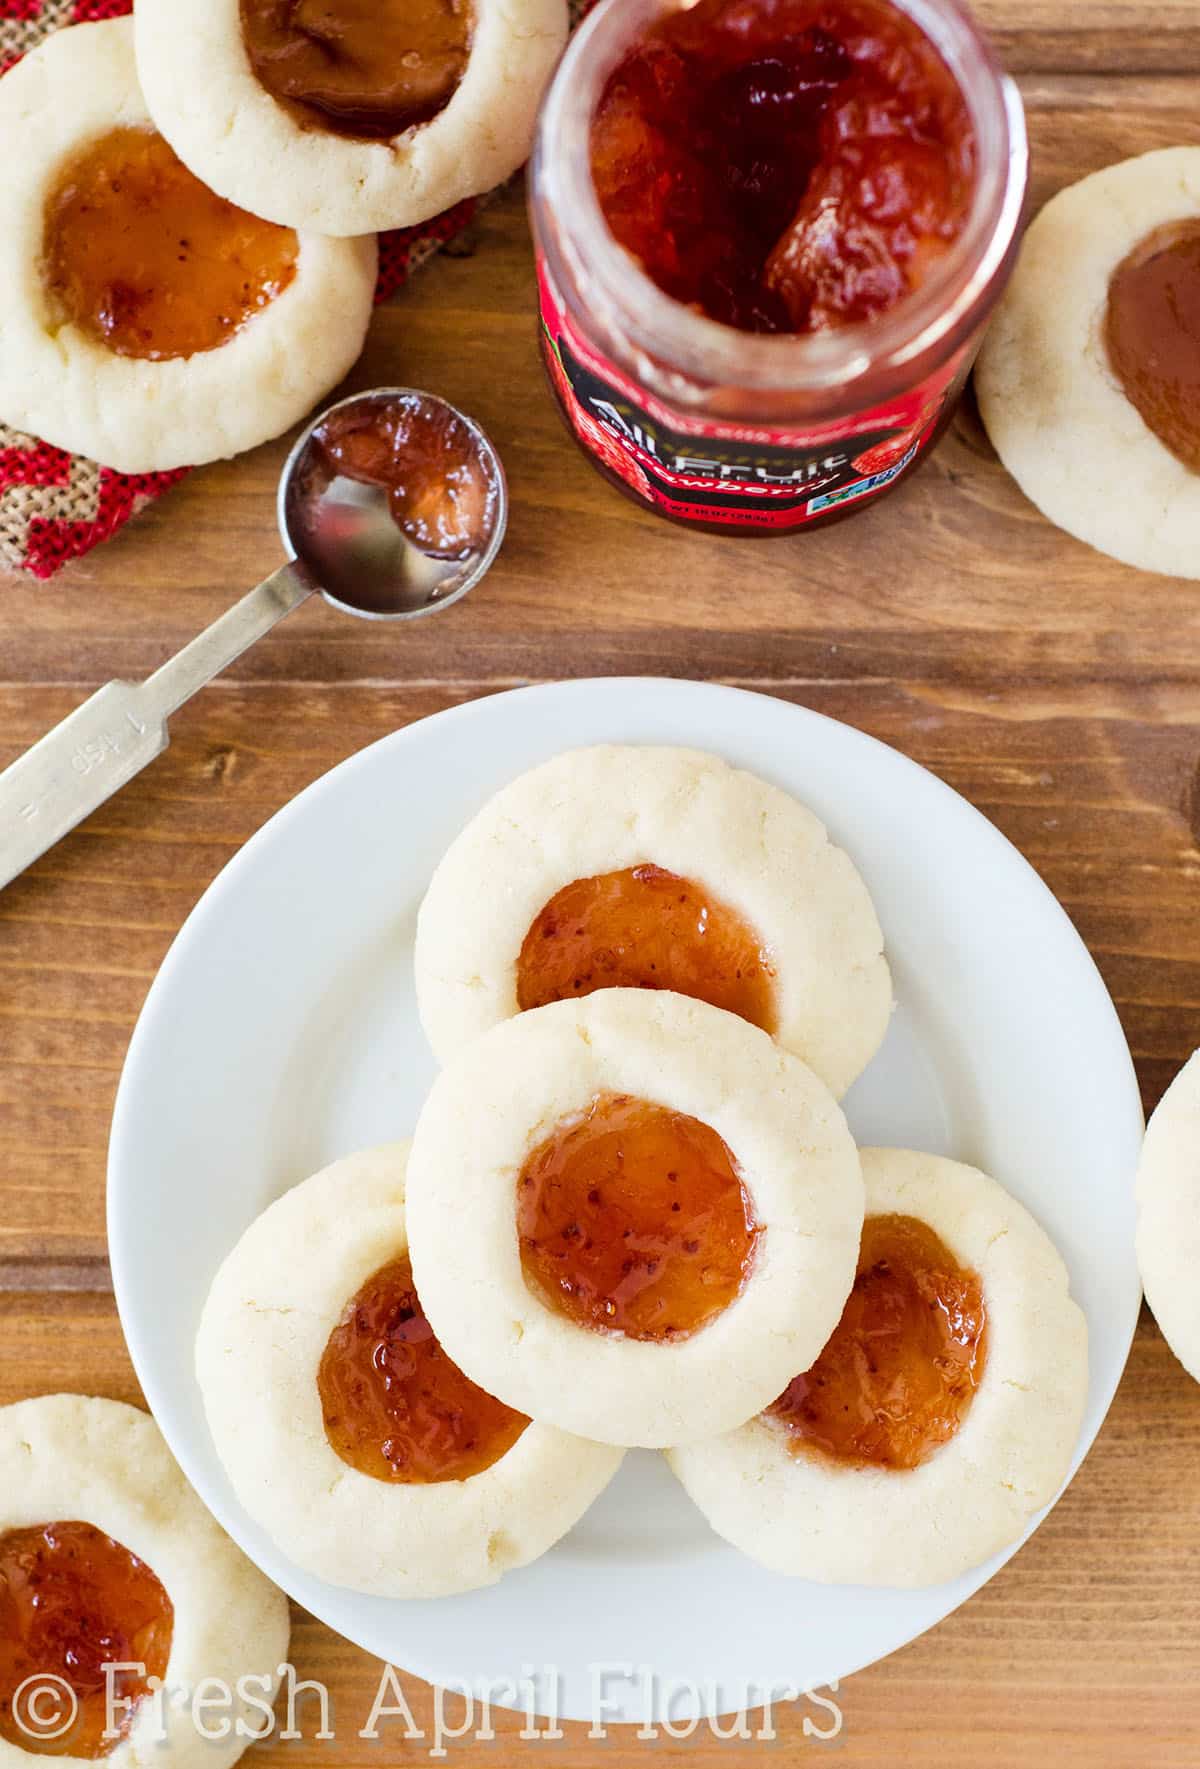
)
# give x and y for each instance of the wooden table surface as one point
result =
(1056, 690)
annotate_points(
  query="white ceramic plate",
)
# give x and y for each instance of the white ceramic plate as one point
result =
(282, 1032)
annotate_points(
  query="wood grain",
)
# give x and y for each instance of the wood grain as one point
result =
(1059, 692)
(1087, 1639)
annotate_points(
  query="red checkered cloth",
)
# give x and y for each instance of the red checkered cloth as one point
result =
(55, 506)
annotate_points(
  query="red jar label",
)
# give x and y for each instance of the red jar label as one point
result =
(736, 475)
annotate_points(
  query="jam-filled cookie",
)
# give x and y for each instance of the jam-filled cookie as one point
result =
(348, 1432)
(654, 868)
(1089, 379)
(116, 1582)
(1168, 1232)
(633, 1216)
(942, 1413)
(148, 323)
(347, 116)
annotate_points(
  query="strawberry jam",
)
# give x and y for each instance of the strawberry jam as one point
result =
(645, 929)
(147, 260)
(440, 485)
(395, 1406)
(897, 1377)
(363, 68)
(784, 165)
(1152, 331)
(633, 1219)
(71, 1602)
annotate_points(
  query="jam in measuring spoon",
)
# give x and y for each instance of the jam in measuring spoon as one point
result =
(426, 465)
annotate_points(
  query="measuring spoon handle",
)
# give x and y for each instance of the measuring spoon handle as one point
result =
(101, 745)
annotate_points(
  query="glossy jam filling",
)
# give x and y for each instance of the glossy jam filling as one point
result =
(784, 165)
(363, 68)
(1152, 332)
(633, 1219)
(394, 1405)
(897, 1377)
(440, 485)
(644, 928)
(71, 1602)
(147, 260)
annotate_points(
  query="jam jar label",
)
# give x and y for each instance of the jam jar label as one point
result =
(735, 475)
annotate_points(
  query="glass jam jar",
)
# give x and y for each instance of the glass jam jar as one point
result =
(751, 431)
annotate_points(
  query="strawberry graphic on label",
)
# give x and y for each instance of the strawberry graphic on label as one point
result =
(892, 450)
(885, 454)
(606, 448)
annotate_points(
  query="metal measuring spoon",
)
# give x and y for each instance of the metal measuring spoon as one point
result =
(345, 544)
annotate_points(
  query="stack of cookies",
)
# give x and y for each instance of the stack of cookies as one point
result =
(632, 1214)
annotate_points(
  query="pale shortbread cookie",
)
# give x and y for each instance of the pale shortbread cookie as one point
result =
(206, 99)
(265, 1325)
(1053, 407)
(71, 1459)
(137, 415)
(592, 811)
(815, 1518)
(504, 1095)
(1168, 1231)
